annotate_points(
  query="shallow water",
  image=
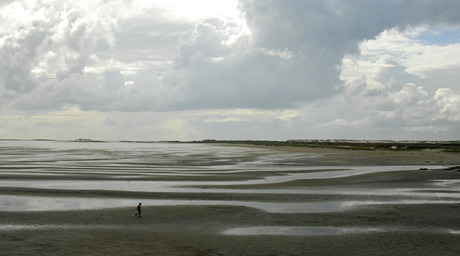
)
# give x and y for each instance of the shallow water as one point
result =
(326, 231)
(298, 231)
(26, 203)
(29, 203)
(253, 231)
(48, 227)
(47, 164)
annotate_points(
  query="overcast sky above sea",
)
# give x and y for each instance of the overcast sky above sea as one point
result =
(248, 69)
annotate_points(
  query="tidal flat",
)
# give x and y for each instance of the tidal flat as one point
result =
(79, 198)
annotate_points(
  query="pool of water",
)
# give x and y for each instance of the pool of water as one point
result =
(298, 231)
(254, 231)
(50, 164)
(48, 227)
(26, 203)
(325, 231)
(29, 203)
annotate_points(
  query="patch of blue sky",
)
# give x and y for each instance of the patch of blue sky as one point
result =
(441, 35)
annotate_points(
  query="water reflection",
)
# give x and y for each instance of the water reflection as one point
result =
(255, 231)
(299, 231)
(326, 231)
(48, 227)
(27, 203)
(446, 192)
(19, 203)
(113, 164)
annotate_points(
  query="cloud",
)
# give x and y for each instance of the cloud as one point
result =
(448, 104)
(55, 53)
(45, 43)
(393, 105)
(418, 57)
(286, 54)
(400, 81)
(292, 67)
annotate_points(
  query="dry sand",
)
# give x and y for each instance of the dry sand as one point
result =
(404, 229)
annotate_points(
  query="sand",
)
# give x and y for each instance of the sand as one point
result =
(425, 228)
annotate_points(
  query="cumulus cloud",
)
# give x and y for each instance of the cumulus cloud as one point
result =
(291, 55)
(287, 53)
(361, 60)
(448, 104)
(394, 104)
(392, 83)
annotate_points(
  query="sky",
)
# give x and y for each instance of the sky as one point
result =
(230, 70)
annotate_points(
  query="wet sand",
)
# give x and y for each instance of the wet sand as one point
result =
(384, 224)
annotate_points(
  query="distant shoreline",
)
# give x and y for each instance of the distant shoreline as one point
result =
(446, 146)
(391, 145)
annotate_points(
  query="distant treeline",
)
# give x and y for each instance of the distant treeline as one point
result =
(448, 146)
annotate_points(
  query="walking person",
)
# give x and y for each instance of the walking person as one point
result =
(138, 210)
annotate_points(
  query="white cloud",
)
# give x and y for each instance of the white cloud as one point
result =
(298, 68)
(278, 63)
(448, 102)
(399, 77)
(419, 58)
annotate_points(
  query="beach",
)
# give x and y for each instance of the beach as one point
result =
(80, 198)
